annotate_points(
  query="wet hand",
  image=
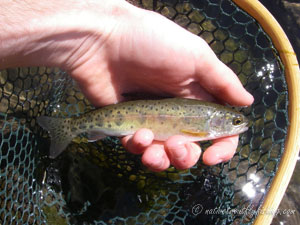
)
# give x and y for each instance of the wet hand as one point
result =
(157, 155)
(177, 150)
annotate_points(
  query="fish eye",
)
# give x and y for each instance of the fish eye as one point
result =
(237, 121)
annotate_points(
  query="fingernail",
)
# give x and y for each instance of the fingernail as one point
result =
(196, 148)
(250, 97)
(216, 161)
(195, 152)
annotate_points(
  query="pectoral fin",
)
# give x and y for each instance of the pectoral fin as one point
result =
(195, 133)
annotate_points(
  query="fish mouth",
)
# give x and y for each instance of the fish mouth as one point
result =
(249, 123)
(243, 128)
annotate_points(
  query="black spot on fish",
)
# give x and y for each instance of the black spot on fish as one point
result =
(119, 122)
(109, 125)
(82, 126)
(100, 123)
(74, 129)
(131, 127)
(142, 119)
(187, 120)
(91, 126)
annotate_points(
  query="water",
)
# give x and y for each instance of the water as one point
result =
(285, 13)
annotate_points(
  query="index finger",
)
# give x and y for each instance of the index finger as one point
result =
(220, 80)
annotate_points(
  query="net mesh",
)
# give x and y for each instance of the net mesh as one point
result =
(100, 183)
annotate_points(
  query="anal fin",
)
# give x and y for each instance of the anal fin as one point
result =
(95, 136)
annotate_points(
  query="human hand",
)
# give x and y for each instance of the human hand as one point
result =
(151, 54)
(112, 47)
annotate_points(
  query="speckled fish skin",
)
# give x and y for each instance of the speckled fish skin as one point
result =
(195, 119)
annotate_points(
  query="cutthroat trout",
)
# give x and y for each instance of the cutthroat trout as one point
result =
(195, 119)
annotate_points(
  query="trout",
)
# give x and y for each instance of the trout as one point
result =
(195, 119)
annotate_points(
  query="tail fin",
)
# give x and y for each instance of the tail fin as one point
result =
(60, 133)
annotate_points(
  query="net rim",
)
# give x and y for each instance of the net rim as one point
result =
(292, 75)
